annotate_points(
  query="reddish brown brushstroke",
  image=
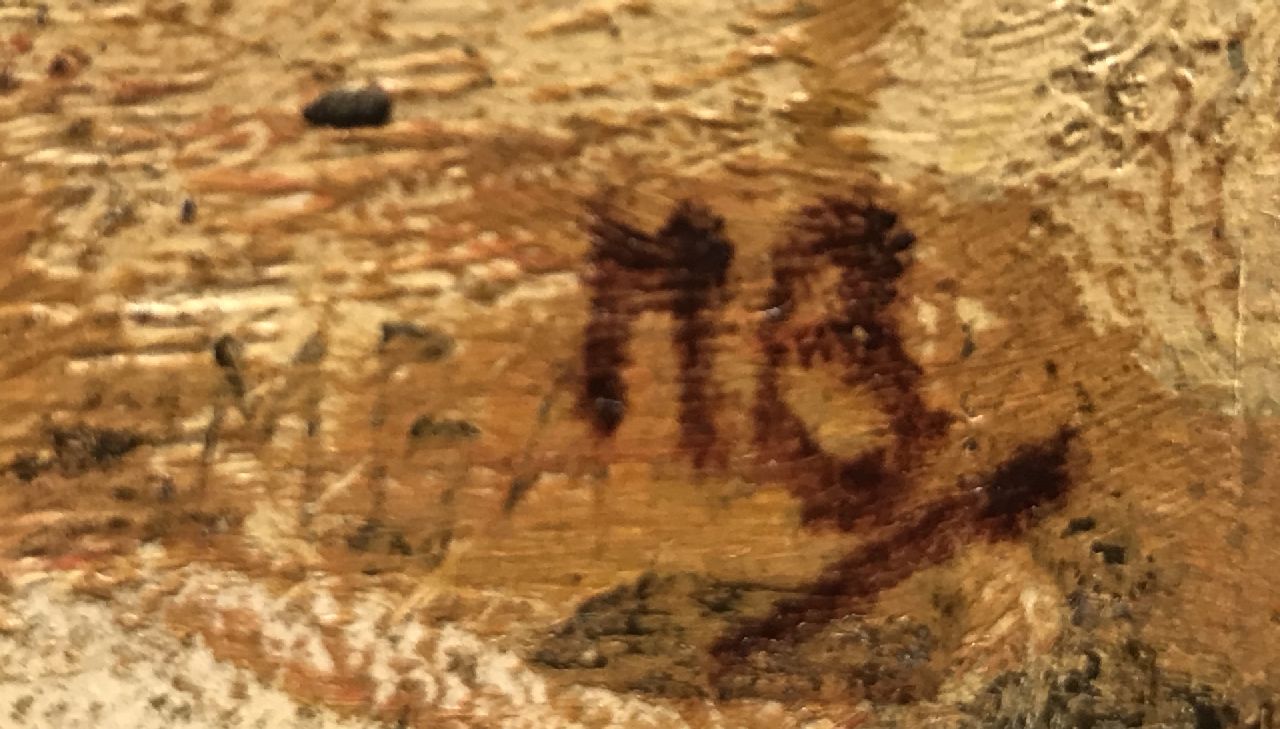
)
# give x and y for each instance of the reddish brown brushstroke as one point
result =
(858, 334)
(1036, 475)
(679, 269)
(682, 268)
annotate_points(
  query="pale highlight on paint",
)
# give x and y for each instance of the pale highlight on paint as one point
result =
(1132, 123)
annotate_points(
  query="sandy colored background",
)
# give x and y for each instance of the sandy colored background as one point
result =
(316, 536)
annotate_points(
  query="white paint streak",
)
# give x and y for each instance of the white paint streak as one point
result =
(73, 665)
(973, 313)
(449, 667)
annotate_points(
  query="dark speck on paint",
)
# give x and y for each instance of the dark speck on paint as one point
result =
(347, 109)
(1080, 524)
(1111, 553)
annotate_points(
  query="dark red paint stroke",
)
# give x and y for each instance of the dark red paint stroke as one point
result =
(862, 241)
(680, 270)
(1035, 476)
(702, 263)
